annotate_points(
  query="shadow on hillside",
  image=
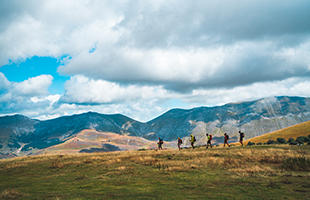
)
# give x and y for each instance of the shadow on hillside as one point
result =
(105, 148)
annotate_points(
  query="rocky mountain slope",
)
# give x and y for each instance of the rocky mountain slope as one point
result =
(22, 136)
(254, 118)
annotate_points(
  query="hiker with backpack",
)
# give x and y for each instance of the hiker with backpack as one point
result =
(193, 140)
(241, 138)
(179, 143)
(160, 143)
(226, 138)
(209, 137)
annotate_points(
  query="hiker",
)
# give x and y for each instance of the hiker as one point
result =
(226, 138)
(193, 140)
(160, 143)
(179, 143)
(209, 137)
(241, 138)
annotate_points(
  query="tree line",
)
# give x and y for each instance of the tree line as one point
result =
(298, 141)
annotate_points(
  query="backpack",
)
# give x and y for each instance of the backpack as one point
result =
(161, 141)
(194, 139)
(227, 137)
(242, 135)
(210, 137)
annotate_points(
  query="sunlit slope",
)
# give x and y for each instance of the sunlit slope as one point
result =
(88, 141)
(302, 129)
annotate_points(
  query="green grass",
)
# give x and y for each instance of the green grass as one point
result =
(218, 173)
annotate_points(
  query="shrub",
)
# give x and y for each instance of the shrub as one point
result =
(291, 141)
(309, 136)
(303, 139)
(251, 143)
(299, 141)
(298, 163)
(259, 143)
(271, 142)
(281, 140)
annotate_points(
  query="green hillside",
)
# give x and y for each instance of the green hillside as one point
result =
(270, 172)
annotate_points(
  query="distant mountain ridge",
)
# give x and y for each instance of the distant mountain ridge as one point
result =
(254, 118)
(22, 135)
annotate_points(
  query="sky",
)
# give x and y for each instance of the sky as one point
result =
(141, 58)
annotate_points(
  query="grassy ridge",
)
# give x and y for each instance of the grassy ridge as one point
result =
(302, 129)
(218, 173)
(88, 139)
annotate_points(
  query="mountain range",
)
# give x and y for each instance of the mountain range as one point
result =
(23, 136)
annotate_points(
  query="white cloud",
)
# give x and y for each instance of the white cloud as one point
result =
(178, 44)
(288, 87)
(156, 65)
(33, 86)
(82, 90)
(185, 69)
(27, 96)
(136, 57)
(4, 83)
(55, 28)
(51, 98)
(144, 103)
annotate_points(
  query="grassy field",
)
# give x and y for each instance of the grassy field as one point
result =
(270, 172)
(302, 129)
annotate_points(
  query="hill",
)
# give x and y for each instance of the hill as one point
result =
(217, 173)
(89, 141)
(302, 129)
(20, 135)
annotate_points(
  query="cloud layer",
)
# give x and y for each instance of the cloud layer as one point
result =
(82, 94)
(144, 56)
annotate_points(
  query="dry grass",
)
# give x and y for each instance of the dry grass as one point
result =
(236, 160)
(302, 129)
(247, 171)
(12, 194)
(14, 165)
(137, 170)
(173, 160)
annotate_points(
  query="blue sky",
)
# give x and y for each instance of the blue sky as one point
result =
(36, 66)
(142, 58)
